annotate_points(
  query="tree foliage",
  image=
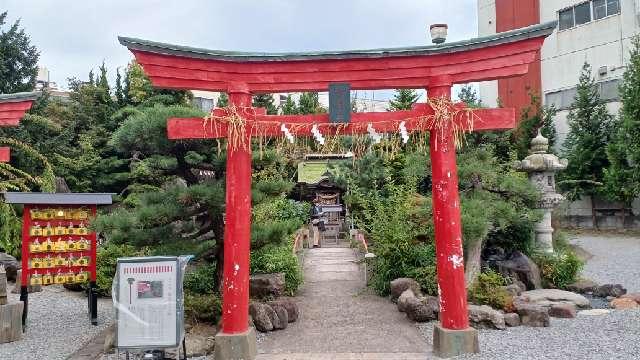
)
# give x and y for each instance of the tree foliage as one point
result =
(403, 99)
(18, 58)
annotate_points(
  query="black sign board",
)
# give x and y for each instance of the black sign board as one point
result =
(339, 102)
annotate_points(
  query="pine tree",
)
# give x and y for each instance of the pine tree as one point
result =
(403, 99)
(622, 178)
(585, 146)
(309, 103)
(223, 100)
(119, 90)
(289, 107)
(534, 117)
(91, 81)
(126, 88)
(469, 96)
(18, 59)
(265, 101)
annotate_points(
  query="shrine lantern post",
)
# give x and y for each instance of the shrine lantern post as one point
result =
(436, 68)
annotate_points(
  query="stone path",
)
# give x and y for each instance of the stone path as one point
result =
(340, 319)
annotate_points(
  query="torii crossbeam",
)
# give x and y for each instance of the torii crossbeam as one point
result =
(435, 68)
(12, 109)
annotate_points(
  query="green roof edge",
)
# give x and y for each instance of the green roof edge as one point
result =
(21, 96)
(529, 32)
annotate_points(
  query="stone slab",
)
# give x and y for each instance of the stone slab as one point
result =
(344, 356)
(448, 343)
(236, 346)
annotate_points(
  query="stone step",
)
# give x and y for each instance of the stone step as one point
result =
(346, 356)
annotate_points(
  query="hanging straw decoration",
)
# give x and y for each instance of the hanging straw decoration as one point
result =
(403, 132)
(373, 134)
(287, 133)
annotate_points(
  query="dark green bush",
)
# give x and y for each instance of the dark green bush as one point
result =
(560, 268)
(275, 259)
(205, 308)
(107, 257)
(201, 280)
(487, 290)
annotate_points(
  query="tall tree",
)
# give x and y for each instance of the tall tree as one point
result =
(223, 100)
(265, 101)
(585, 146)
(403, 99)
(18, 59)
(622, 178)
(309, 103)
(120, 99)
(533, 117)
(289, 107)
(469, 96)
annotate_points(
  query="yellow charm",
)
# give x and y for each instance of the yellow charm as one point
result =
(35, 214)
(60, 261)
(81, 230)
(48, 231)
(69, 278)
(60, 246)
(47, 279)
(47, 263)
(47, 245)
(59, 214)
(46, 214)
(82, 277)
(71, 245)
(83, 244)
(36, 263)
(35, 231)
(80, 214)
(35, 280)
(35, 247)
(81, 261)
(59, 278)
(60, 230)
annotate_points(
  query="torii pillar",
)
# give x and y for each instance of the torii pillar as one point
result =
(435, 68)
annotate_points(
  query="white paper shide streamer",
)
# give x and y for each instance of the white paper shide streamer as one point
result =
(403, 132)
(373, 134)
(287, 133)
(317, 135)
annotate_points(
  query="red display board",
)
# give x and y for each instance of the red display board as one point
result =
(57, 245)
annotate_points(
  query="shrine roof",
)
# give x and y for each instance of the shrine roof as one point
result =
(21, 96)
(58, 198)
(529, 32)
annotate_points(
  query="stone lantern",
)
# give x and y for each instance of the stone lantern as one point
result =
(541, 168)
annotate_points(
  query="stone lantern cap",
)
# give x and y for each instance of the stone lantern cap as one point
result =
(540, 160)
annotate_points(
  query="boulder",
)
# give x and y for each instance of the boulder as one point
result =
(582, 286)
(262, 315)
(289, 305)
(433, 302)
(623, 304)
(615, 290)
(419, 310)
(566, 311)
(11, 265)
(404, 299)
(281, 320)
(533, 315)
(511, 319)
(634, 296)
(398, 286)
(547, 297)
(483, 316)
(266, 285)
(519, 267)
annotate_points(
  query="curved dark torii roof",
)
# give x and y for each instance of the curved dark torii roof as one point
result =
(485, 58)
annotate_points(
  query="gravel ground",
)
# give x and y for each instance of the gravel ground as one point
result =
(616, 259)
(58, 325)
(611, 336)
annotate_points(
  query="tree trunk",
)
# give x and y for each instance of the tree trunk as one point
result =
(473, 264)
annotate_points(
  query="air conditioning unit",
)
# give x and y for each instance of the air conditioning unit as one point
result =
(602, 70)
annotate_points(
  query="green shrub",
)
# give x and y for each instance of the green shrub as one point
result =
(275, 259)
(487, 290)
(107, 257)
(205, 308)
(560, 268)
(201, 280)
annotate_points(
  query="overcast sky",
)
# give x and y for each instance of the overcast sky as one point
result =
(74, 36)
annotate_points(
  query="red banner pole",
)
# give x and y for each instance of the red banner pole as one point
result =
(237, 234)
(446, 217)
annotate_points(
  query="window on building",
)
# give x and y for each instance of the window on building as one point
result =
(566, 19)
(599, 9)
(582, 13)
(613, 7)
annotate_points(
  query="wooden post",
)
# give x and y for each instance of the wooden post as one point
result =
(10, 314)
(3, 286)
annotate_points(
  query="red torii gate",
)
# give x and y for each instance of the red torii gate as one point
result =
(242, 74)
(12, 109)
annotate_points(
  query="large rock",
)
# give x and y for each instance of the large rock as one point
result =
(512, 289)
(281, 320)
(419, 309)
(266, 285)
(582, 286)
(404, 298)
(432, 302)
(615, 290)
(634, 296)
(511, 319)
(289, 305)
(398, 286)
(483, 316)
(262, 315)
(567, 311)
(11, 265)
(519, 267)
(623, 304)
(533, 315)
(549, 297)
